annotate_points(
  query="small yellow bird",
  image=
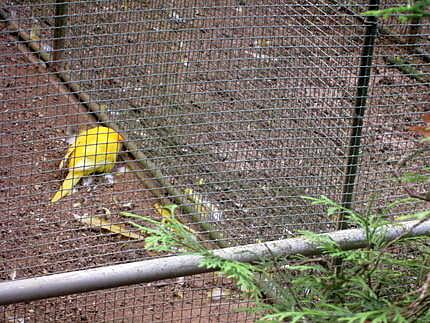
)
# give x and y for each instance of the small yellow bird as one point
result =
(94, 151)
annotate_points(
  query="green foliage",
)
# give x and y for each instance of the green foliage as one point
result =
(242, 273)
(412, 177)
(388, 281)
(171, 236)
(414, 10)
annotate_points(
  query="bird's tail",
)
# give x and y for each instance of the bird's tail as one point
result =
(67, 187)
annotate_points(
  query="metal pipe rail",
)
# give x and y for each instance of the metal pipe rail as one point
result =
(176, 266)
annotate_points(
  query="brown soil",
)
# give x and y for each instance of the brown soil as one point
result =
(38, 238)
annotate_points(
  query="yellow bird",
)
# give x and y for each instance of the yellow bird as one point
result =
(94, 151)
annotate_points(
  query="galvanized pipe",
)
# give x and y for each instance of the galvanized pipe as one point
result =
(177, 266)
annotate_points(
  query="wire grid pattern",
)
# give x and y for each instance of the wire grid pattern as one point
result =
(221, 109)
(165, 301)
(248, 105)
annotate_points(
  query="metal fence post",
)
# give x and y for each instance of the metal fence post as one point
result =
(359, 112)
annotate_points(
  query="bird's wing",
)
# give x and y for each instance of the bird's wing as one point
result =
(85, 165)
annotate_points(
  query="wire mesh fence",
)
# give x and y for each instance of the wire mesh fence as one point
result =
(169, 301)
(232, 109)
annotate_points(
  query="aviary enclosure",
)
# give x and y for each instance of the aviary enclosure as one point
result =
(231, 110)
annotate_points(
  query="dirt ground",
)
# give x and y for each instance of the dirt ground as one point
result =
(38, 238)
(250, 106)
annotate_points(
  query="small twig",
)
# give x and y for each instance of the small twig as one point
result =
(323, 262)
(425, 288)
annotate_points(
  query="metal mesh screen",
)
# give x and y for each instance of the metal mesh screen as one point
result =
(239, 107)
(167, 301)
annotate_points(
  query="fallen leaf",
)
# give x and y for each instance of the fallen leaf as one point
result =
(217, 293)
(421, 130)
(98, 222)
